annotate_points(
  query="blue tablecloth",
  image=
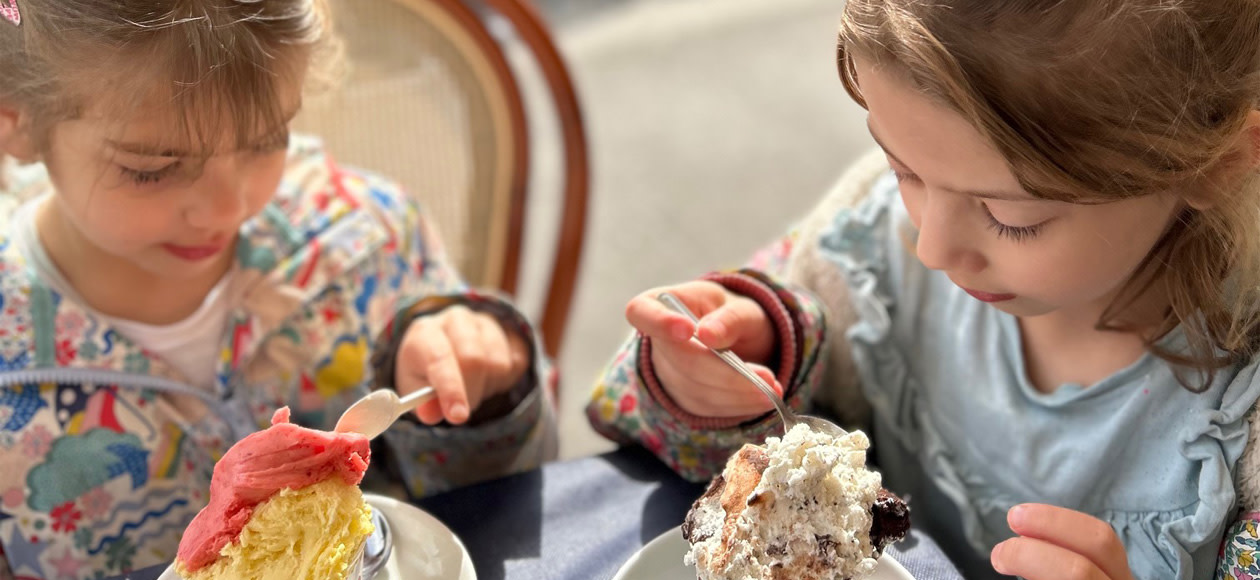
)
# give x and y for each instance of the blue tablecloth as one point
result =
(581, 519)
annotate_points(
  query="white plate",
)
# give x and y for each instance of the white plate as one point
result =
(662, 559)
(424, 548)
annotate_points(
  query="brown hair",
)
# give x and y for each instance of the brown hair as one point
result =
(212, 60)
(1093, 101)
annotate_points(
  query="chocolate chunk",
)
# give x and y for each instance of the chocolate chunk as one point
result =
(689, 523)
(890, 520)
(715, 489)
(765, 497)
(826, 550)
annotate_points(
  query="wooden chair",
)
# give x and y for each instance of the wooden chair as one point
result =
(432, 101)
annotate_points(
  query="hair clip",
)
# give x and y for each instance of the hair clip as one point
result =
(9, 10)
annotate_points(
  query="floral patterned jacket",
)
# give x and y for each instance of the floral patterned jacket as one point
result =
(106, 452)
(807, 299)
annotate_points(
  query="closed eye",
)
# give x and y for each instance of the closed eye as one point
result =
(905, 177)
(145, 177)
(1016, 233)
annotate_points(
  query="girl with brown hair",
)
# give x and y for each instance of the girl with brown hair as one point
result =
(1040, 295)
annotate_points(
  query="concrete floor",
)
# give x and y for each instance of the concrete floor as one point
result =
(713, 124)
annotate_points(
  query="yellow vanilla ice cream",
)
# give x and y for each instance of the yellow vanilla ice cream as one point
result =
(284, 504)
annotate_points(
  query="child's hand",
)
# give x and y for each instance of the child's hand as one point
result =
(1060, 544)
(696, 379)
(466, 356)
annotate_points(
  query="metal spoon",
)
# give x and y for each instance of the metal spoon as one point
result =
(373, 414)
(790, 419)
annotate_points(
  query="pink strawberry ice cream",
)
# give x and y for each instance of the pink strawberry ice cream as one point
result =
(260, 466)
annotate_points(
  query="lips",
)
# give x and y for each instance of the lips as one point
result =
(989, 297)
(193, 253)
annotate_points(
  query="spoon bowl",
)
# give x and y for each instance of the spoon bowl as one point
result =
(373, 414)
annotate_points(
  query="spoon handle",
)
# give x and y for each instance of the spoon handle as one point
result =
(734, 361)
(413, 399)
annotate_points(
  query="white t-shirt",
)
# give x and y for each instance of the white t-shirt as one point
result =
(190, 345)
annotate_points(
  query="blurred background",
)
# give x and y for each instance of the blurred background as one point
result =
(710, 126)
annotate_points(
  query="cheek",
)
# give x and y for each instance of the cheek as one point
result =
(131, 225)
(264, 181)
(110, 217)
(1079, 265)
(913, 201)
(119, 221)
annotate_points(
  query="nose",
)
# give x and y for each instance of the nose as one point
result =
(944, 241)
(218, 197)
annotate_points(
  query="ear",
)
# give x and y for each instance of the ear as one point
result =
(1242, 160)
(15, 134)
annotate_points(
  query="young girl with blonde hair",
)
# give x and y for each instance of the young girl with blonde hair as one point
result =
(184, 267)
(1040, 297)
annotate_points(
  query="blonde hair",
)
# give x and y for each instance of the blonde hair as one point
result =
(212, 60)
(1092, 101)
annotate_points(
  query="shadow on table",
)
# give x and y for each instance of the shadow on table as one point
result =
(910, 542)
(507, 508)
(667, 504)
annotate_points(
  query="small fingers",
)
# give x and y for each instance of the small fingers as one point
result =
(442, 367)
(739, 325)
(519, 355)
(655, 320)
(768, 376)
(652, 317)
(500, 368)
(411, 371)
(695, 361)
(704, 385)
(1077, 532)
(1034, 559)
(469, 358)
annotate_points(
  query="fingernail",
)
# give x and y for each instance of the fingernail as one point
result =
(996, 558)
(1015, 517)
(458, 413)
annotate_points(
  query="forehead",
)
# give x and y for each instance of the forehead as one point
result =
(199, 120)
(925, 134)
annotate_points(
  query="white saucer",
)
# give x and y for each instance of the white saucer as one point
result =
(424, 548)
(662, 559)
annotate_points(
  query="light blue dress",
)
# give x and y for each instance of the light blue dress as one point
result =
(958, 427)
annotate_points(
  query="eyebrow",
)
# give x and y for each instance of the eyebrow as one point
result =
(151, 150)
(998, 195)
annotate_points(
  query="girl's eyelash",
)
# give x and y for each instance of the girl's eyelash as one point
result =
(148, 177)
(905, 176)
(1018, 234)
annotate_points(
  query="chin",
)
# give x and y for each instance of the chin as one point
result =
(1023, 308)
(170, 268)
